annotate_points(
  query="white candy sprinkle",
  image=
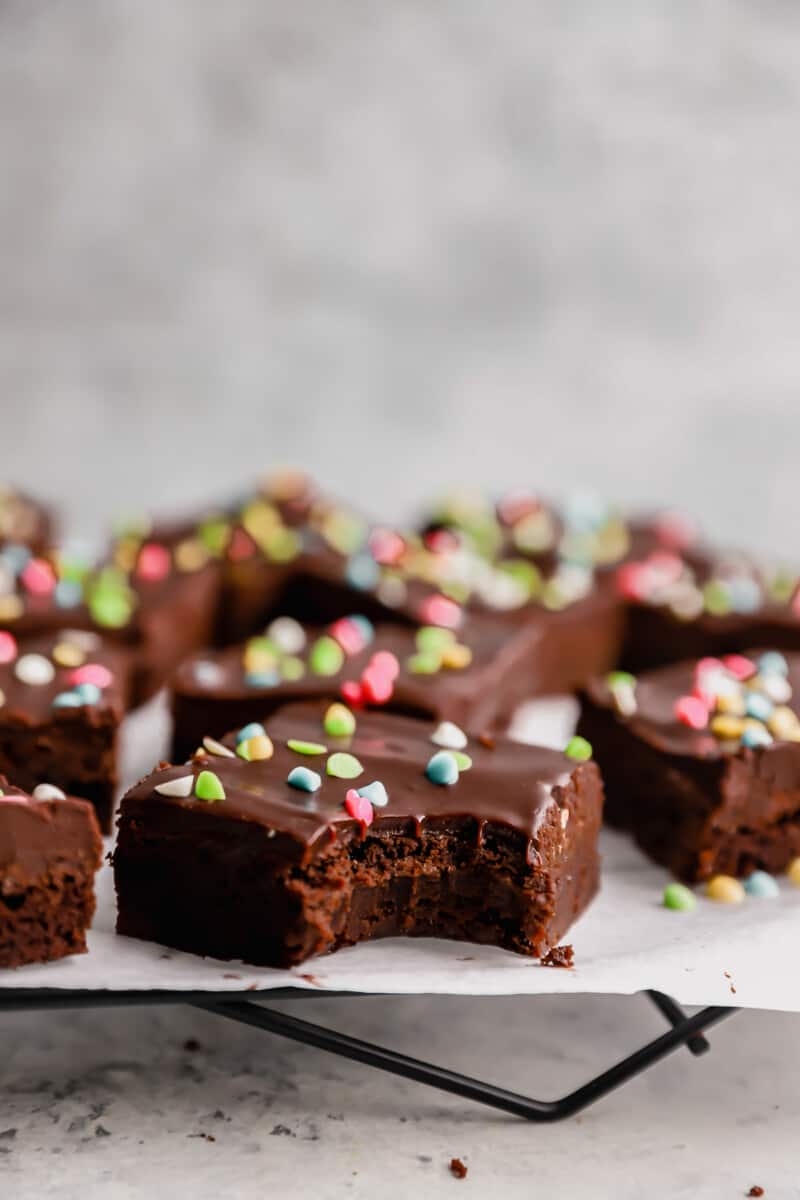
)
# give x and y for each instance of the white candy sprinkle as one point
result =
(215, 747)
(48, 791)
(181, 787)
(208, 674)
(84, 638)
(777, 687)
(449, 736)
(34, 669)
(287, 634)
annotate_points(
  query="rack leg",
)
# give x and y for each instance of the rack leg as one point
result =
(530, 1109)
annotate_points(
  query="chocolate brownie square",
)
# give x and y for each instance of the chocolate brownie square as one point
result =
(50, 848)
(62, 699)
(701, 761)
(288, 842)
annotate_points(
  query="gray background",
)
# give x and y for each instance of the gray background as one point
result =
(522, 243)
(550, 245)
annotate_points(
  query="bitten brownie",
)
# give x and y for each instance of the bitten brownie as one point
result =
(62, 699)
(50, 848)
(293, 842)
(701, 761)
(475, 678)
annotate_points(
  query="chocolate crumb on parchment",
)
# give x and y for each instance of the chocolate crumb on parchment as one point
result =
(559, 956)
(457, 1168)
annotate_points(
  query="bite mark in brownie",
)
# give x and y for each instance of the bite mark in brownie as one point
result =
(506, 855)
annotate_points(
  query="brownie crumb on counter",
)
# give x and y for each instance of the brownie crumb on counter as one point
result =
(559, 956)
(457, 1168)
(756, 1190)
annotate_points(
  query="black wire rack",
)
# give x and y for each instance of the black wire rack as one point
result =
(685, 1030)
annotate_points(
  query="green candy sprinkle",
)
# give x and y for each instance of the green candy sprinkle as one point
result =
(326, 657)
(463, 761)
(679, 898)
(208, 786)
(282, 546)
(431, 639)
(423, 663)
(578, 749)
(344, 766)
(292, 668)
(214, 535)
(620, 679)
(306, 747)
(339, 721)
(110, 607)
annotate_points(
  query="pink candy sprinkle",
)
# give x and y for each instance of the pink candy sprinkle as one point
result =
(153, 563)
(358, 807)
(441, 541)
(38, 577)
(353, 693)
(632, 581)
(438, 610)
(348, 635)
(241, 546)
(385, 663)
(705, 666)
(94, 673)
(8, 647)
(386, 546)
(675, 530)
(375, 687)
(691, 711)
(739, 666)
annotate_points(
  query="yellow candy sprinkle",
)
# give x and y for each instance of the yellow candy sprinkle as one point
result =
(11, 607)
(727, 727)
(456, 657)
(783, 722)
(2, 702)
(725, 890)
(733, 705)
(256, 749)
(258, 658)
(190, 555)
(793, 871)
(67, 654)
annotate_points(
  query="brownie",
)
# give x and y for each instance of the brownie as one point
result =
(262, 870)
(475, 678)
(62, 698)
(50, 848)
(698, 602)
(701, 761)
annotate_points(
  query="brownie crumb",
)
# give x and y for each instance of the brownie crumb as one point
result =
(559, 956)
(756, 1190)
(486, 740)
(457, 1168)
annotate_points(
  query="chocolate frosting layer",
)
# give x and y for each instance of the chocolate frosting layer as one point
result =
(511, 784)
(655, 722)
(36, 834)
(31, 703)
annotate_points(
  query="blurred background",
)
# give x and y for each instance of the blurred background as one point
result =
(543, 245)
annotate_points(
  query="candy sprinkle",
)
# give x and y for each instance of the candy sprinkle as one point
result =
(442, 768)
(691, 711)
(34, 669)
(215, 747)
(304, 780)
(679, 898)
(449, 736)
(578, 749)
(326, 656)
(300, 747)
(793, 872)
(725, 890)
(343, 766)
(8, 647)
(358, 807)
(94, 673)
(208, 786)
(254, 729)
(339, 721)
(287, 634)
(463, 761)
(48, 791)
(375, 792)
(762, 885)
(256, 749)
(68, 654)
(181, 787)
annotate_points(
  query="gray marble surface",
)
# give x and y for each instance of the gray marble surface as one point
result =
(550, 245)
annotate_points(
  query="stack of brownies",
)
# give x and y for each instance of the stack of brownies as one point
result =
(340, 692)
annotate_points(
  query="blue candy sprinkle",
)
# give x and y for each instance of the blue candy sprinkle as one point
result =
(362, 571)
(744, 594)
(376, 794)
(762, 885)
(365, 626)
(262, 679)
(304, 779)
(758, 706)
(89, 693)
(254, 729)
(15, 557)
(756, 737)
(442, 768)
(772, 663)
(68, 593)
(67, 700)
